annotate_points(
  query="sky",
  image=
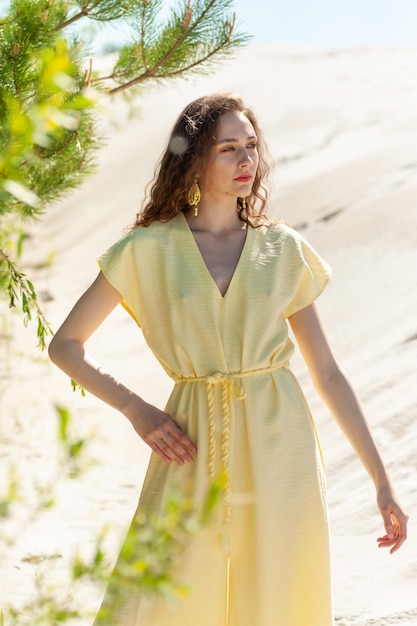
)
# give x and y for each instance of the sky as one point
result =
(330, 23)
(327, 23)
(319, 23)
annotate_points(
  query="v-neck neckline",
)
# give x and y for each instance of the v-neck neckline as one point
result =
(204, 264)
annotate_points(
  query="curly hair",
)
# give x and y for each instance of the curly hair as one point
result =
(187, 154)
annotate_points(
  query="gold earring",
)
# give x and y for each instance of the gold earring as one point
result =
(243, 200)
(194, 196)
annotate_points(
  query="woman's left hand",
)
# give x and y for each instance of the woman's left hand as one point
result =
(336, 391)
(395, 519)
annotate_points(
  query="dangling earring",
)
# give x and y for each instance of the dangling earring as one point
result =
(194, 196)
(243, 201)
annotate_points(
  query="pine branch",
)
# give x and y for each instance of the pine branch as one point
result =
(189, 68)
(74, 18)
(153, 73)
(14, 70)
(142, 38)
(195, 25)
(48, 139)
(110, 10)
(186, 30)
(190, 38)
(21, 288)
(44, 154)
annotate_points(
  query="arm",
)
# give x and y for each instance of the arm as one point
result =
(335, 390)
(67, 351)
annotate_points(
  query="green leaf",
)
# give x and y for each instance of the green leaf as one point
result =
(76, 447)
(64, 419)
(75, 386)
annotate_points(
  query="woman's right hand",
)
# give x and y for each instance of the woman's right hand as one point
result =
(67, 350)
(161, 433)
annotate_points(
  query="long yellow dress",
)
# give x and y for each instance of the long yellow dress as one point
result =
(265, 561)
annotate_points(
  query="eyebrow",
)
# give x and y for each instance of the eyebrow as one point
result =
(234, 140)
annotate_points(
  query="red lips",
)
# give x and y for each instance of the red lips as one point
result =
(244, 178)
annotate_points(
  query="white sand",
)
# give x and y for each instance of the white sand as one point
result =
(342, 130)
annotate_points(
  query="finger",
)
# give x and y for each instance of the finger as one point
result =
(400, 535)
(166, 453)
(171, 429)
(159, 451)
(386, 542)
(394, 544)
(398, 544)
(180, 441)
(394, 535)
(388, 523)
(172, 443)
(167, 448)
(173, 451)
(178, 447)
(400, 520)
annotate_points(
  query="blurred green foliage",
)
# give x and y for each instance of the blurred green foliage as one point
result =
(49, 93)
(147, 559)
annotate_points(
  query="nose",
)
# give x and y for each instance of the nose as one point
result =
(245, 158)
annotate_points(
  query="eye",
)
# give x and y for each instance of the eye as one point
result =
(227, 149)
(253, 145)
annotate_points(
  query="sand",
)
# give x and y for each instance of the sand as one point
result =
(341, 127)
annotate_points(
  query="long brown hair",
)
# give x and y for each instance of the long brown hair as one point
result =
(187, 155)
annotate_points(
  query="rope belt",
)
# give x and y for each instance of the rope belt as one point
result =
(231, 384)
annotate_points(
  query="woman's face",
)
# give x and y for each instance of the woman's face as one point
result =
(233, 161)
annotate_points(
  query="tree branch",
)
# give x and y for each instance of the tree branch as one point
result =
(142, 38)
(71, 20)
(152, 73)
(28, 297)
(83, 13)
(192, 65)
(58, 150)
(188, 27)
(185, 30)
(16, 51)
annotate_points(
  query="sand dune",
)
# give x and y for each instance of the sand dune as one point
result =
(341, 128)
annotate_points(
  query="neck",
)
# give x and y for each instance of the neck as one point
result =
(215, 216)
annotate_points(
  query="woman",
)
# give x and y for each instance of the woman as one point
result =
(212, 283)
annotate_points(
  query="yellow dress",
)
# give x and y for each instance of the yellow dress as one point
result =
(265, 561)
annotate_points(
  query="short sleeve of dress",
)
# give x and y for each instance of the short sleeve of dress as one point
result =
(119, 266)
(308, 272)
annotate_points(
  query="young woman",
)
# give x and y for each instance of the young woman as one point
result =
(212, 283)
